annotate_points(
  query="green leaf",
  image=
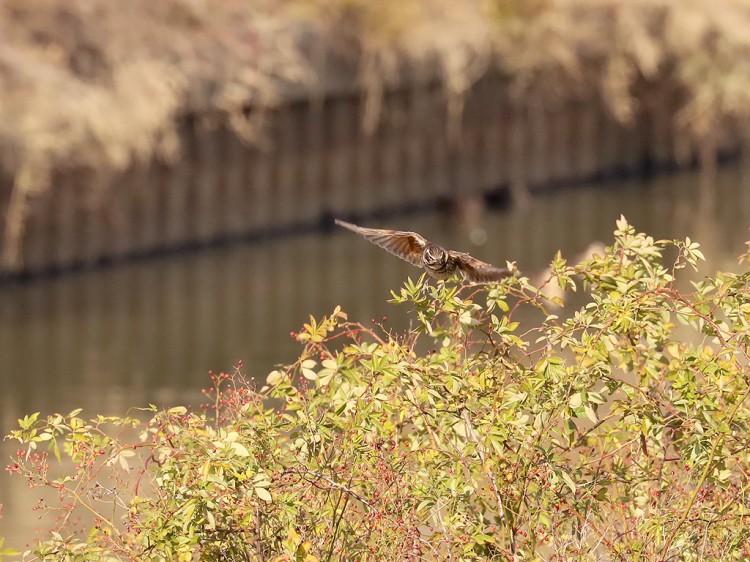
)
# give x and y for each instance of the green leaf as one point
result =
(568, 481)
(274, 378)
(263, 494)
(590, 413)
(27, 421)
(240, 450)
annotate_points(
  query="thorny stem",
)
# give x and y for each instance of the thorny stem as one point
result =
(311, 476)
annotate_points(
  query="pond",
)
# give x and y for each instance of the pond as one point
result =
(149, 332)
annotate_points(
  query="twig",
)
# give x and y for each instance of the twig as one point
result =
(471, 434)
(306, 473)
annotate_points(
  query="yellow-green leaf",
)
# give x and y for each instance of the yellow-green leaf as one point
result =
(263, 494)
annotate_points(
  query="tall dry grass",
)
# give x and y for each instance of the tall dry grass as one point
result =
(93, 85)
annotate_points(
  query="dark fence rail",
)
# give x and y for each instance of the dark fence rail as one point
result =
(315, 161)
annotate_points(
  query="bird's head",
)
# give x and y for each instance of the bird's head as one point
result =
(433, 255)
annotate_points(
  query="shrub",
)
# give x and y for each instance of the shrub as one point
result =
(615, 431)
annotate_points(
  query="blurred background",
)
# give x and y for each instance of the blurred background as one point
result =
(170, 171)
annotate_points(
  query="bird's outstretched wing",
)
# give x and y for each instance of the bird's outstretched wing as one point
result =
(477, 271)
(406, 245)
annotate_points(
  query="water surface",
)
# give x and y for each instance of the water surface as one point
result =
(149, 332)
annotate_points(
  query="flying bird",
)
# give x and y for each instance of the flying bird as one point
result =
(438, 262)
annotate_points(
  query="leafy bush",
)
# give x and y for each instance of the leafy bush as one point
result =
(617, 433)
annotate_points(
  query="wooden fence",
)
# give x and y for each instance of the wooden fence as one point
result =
(316, 162)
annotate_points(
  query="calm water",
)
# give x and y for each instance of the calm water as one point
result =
(150, 332)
